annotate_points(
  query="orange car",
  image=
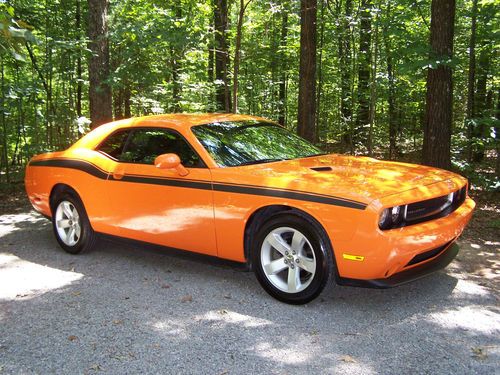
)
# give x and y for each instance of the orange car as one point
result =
(245, 189)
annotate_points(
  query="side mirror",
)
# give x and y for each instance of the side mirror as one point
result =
(171, 161)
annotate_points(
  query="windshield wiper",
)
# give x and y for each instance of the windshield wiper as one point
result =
(260, 161)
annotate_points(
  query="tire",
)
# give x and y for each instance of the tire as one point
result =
(292, 258)
(71, 224)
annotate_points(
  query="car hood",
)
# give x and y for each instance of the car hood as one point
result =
(358, 178)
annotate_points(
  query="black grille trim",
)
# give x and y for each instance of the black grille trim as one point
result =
(430, 209)
(422, 257)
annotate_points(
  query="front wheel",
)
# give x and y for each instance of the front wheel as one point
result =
(71, 224)
(292, 258)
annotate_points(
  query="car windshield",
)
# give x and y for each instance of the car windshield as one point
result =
(251, 142)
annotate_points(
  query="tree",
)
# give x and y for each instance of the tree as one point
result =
(471, 84)
(364, 68)
(306, 118)
(439, 98)
(223, 96)
(100, 99)
(237, 52)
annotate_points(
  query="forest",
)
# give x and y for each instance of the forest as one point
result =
(410, 80)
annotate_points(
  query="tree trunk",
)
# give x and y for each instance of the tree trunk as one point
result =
(223, 98)
(283, 75)
(439, 98)
(391, 96)
(237, 53)
(79, 83)
(126, 102)
(364, 67)
(100, 99)
(5, 155)
(469, 117)
(497, 135)
(373, 88)
(306, 119)
(319, 90)
(344, 43)
(175, 63)
(481, 107)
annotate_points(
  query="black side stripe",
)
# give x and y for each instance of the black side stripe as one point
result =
(95, 171)
(288, 194)
(81, 165)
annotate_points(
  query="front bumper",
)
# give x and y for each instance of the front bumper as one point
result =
(415, 273)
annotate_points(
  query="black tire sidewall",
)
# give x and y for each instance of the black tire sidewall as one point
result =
(86, 237)
(322, 251)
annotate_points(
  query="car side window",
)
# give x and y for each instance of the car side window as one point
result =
(113, 145)
(144, 145)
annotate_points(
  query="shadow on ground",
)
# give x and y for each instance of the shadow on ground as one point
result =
(122, 309)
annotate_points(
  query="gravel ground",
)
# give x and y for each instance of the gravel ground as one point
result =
(122, 309)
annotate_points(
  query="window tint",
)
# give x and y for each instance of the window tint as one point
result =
(251, 142)
(145, 145)
(114, 144)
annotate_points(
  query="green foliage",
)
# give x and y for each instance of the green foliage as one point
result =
(160, 61)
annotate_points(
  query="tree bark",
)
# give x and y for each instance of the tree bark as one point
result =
(344, 42)
(175, 63)
(222, 97)
(480, 106)
(100, 99)
(237, 53)
(439, 98)
(471, 81)
(306, 119)
(319, 90)
(364, 67)
(79, 83)
(283, 70)
(391, 96)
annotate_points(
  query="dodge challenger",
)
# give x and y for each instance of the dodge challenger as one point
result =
(245, 189)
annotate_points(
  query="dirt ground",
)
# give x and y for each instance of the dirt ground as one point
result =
(122, 309)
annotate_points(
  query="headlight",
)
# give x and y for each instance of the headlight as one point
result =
(391, 217)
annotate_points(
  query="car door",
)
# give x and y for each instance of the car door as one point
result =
(157, 205)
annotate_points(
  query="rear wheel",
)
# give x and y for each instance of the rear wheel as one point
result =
(292, 258)
(71, 224)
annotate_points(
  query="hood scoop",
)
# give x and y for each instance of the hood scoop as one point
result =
(321, 169)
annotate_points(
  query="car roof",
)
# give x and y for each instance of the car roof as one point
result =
(187, 120)
(178, 121)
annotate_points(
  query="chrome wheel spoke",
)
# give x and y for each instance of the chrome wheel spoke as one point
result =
(286, 248)
(63, 223)
(298, 241)
(67, 209)
(275, 266)
(307, 264)
(67, 223)
(71, 236)
(293, 280)
(78, 231)
(278, 243)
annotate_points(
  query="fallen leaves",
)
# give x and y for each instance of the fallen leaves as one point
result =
(347, 359)
(479, 353)
(72, 338)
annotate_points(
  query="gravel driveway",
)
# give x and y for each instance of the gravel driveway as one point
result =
(123, 309)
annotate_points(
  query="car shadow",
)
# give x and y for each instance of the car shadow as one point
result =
(141, 308)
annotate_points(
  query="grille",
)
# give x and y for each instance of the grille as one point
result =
(434, 208)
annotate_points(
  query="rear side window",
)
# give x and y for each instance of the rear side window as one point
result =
(114, 144)
(142, 146)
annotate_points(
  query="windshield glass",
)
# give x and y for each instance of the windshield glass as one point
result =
(251, 142)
